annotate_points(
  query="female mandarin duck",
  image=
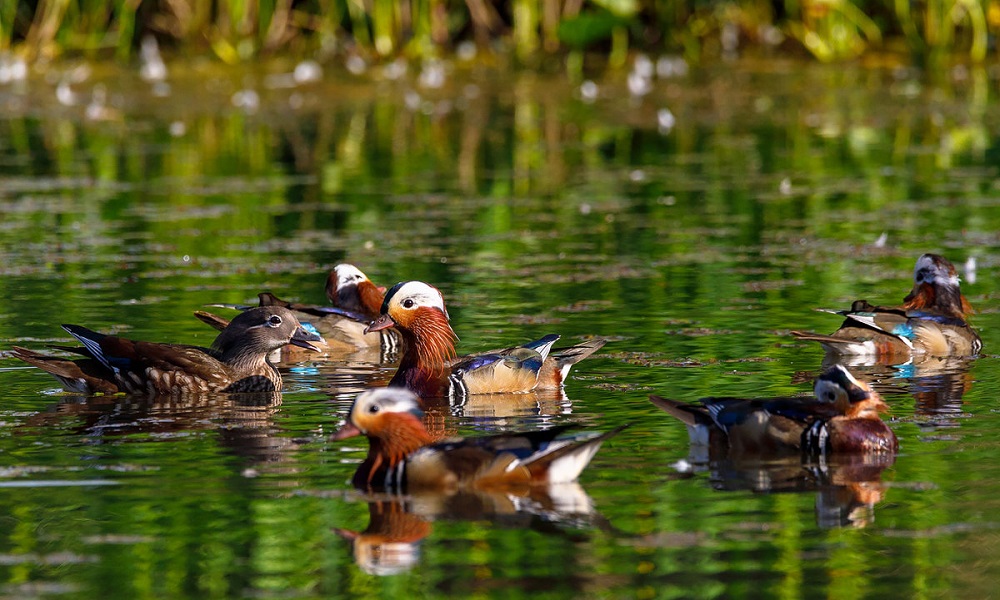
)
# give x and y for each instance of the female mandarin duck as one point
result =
(429, 366)
(402, 455)
(236, 362)
(842, 419)
(932, 320)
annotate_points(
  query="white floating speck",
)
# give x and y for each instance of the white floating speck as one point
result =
(682, 466)
(785, 187)
(395, 70)
(12, 68)
(96, 110)
(771, 35)
(638, 85)
(882, 239)
(588, 91)
(671, 66)
(466, 50)
(178, 128)
(970, 269)
(432, 75)
(65, 94)
(355, 64)
(248, 100)
(412, 100)
(665, 120)
(642, 66)
(153, 68)
(637, 175)
(307, 71)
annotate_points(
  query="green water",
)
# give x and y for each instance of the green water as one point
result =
(694, 249)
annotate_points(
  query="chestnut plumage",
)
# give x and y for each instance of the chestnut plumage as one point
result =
(403, 456)
(430, 368)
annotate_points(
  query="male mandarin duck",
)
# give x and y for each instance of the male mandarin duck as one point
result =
(842, 419)
(236, 362)
(356, 302)
(932, 320)
(430, 368)
(350, 289)
(404, 457)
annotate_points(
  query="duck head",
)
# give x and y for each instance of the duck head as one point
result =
(348, 288)
(391, 419)
(850, 396)
(261, 330)
(417, 310)
(936, 287)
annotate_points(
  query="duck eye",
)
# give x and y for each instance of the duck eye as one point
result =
(408, 303)
(831, 396)
(274, 321)
(373, 409)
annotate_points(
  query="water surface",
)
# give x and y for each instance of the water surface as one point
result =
(693, 248)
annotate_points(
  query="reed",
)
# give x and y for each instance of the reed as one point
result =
(244, 30)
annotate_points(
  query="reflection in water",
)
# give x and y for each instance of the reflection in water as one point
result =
(937, 384)
(398, 525)
(512, 408)
(244, 422)
(848, 487)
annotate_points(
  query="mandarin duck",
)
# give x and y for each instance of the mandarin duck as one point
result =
(356, 302)
(403, 457)
(843, 418)
(429, 366)
(931, 320)
(236, 362)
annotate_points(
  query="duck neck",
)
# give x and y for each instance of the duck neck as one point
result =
(248, 359)
(370, 299)
(392, 445)
(867, 409)
(429, 346)
(944, 299)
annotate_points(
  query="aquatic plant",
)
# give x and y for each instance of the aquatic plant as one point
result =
(237, 31)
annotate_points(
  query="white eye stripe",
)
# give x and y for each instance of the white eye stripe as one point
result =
(420, 294)
(347, 274)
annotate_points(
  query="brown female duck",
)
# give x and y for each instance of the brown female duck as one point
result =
(236, 362)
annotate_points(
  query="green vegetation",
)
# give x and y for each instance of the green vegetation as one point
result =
(242, 30)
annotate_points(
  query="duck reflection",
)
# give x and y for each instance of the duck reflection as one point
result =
(516, 406)
(243, 422)
(397, 525)
(848, 487)
(937, 384)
